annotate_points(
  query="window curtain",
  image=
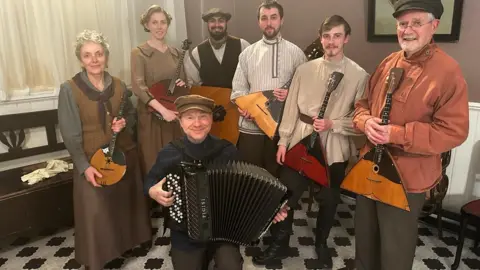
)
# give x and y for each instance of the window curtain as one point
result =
(37, 39)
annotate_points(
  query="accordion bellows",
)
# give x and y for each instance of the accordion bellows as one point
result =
(233, 202)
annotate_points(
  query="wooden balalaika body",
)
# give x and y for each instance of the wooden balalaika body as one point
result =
(376, 175)
(225, 113)
(166, 91)
(265, 108)
(308, 156)
(108, 161)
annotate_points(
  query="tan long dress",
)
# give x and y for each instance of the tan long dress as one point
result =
(150, 66)
(112, 219)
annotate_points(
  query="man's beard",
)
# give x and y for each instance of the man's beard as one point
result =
(217, 35)
(273, 35)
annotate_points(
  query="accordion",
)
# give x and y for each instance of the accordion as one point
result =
(234, 202)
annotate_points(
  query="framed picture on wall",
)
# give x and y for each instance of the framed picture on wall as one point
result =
(382, 25)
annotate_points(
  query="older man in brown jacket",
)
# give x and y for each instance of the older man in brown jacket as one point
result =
(429, 115)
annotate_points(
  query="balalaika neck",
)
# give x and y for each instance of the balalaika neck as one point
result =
(385, 117)
(111, 146)
(321, 114)
(171, 87)
(287, 84)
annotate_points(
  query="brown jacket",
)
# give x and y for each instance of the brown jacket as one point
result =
(429, 112)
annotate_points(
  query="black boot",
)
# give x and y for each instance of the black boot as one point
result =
(278, 249)
(323, 252)
(324, 256)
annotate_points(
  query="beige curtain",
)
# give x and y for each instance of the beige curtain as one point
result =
(37, 37)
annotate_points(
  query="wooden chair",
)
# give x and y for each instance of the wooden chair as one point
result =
(29, 208)
(469, 212)
(434, 201)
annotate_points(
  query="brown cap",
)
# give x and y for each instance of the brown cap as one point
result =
(189, 102)
(216, 12)
(432, 6)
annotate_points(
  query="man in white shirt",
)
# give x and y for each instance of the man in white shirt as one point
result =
(267, 64)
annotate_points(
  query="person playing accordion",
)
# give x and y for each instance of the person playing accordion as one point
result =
(195, 115)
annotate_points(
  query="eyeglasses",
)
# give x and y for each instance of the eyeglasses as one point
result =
(415, 25)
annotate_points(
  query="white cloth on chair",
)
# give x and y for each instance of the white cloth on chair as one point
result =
(53, 168)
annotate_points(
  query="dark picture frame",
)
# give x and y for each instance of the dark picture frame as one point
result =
(381, 24)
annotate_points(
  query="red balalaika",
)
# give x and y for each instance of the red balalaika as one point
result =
(308, 156)
(167, 91)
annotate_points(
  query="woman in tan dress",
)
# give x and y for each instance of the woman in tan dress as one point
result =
(152, 62)
(109, 220)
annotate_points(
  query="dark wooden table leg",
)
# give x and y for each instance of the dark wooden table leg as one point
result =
(477, 236)
(439, 220)
(461, 239)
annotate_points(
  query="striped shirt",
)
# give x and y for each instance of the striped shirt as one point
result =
(264, 65)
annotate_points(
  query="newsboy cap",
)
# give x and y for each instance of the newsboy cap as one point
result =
(432, 6)
(216, 12)
(189, 102)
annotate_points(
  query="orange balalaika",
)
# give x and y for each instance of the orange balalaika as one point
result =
(225, 113)
(167, 91)
(264, 108)
(376, 175)
(308, 156)
(108, 161)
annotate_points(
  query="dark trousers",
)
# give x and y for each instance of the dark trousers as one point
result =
(227, 257)
(385, 236)
(259, 150)
(328, 198)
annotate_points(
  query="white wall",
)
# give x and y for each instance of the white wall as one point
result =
(33, 137)
(464, 169)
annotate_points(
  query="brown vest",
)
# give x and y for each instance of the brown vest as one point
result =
(92, 131)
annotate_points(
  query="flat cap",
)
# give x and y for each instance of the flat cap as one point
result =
(432, 6)
(216, 12)
(189, 102)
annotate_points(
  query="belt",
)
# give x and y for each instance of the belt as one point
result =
(306, 119)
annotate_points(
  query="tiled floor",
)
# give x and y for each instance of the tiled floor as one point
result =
(55, 250)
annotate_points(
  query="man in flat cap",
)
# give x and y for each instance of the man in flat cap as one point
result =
(195, 113)
(213, 62)
(429, 116)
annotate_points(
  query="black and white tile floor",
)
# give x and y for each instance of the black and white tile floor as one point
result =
(55, 249)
